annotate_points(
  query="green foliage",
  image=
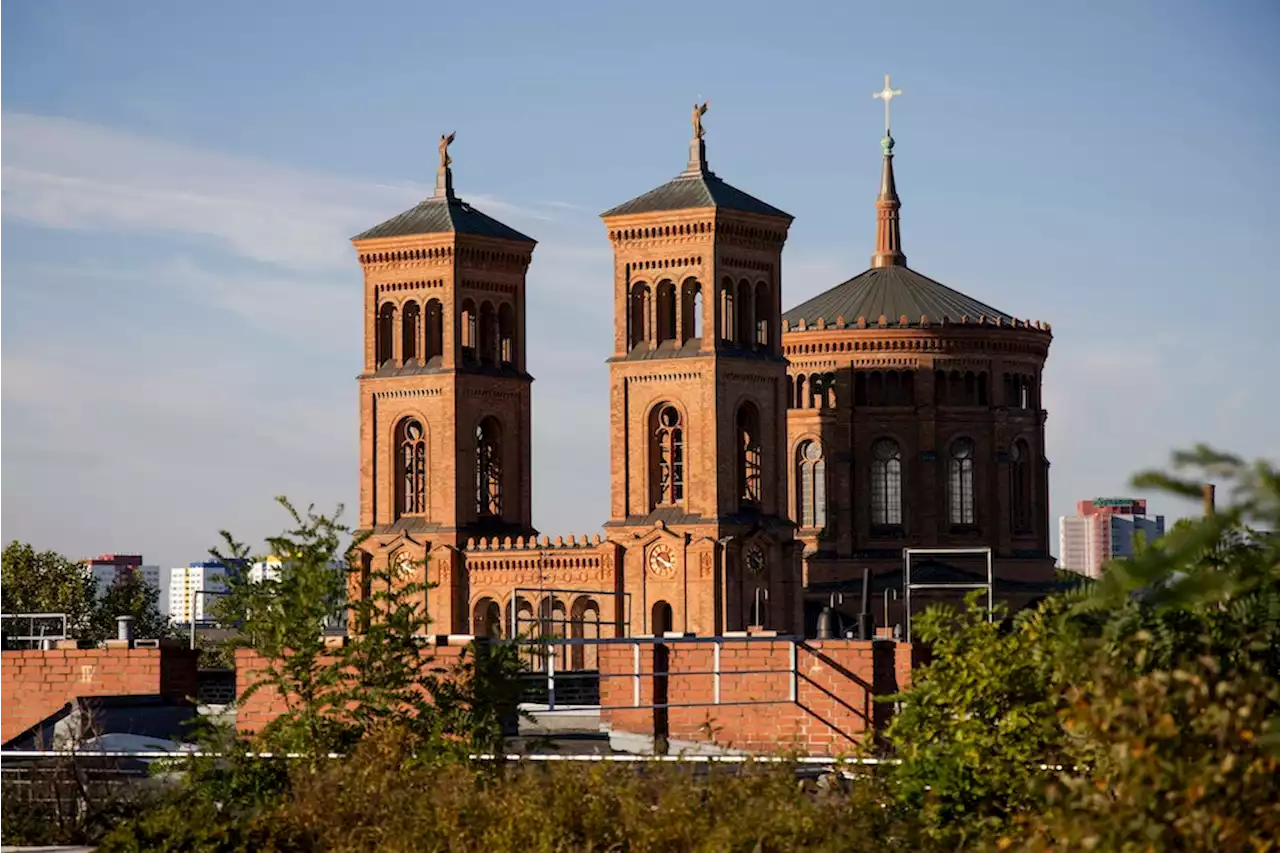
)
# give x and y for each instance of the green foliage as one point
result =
(978, 721)
(1179, 759)
(282, 619)
(130, 595)
(382, 676)
(47, 582)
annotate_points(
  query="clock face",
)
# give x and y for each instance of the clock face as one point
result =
(661, 561)
(755, 559)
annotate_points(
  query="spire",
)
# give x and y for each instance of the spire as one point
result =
(697, 147)
(888, 251)
(888, 227)
(444, 175)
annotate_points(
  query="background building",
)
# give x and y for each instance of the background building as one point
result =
(109, 568)
(185, 581)
(1101, 530)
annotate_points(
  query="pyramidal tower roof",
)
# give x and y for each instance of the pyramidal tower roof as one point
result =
(443, 212)
(697, 186)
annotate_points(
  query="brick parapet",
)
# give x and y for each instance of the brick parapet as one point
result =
(34, 684)
(267, 703)
(814, 697)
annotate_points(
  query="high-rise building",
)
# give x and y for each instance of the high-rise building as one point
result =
(1103, 529)
(206, 577)
(109, 568)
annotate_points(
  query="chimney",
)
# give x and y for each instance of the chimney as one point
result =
(1207, 491)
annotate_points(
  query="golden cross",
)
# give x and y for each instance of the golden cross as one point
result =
(887, 94)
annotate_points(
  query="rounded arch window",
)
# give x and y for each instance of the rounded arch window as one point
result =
(411, 468)
(886, 483)
(667, 465)
(960, 483)
(811, 480)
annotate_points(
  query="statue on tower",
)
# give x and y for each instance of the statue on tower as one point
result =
(698, 111)
(445, 142)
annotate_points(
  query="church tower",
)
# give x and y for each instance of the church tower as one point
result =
(698, 401)
(444, 396)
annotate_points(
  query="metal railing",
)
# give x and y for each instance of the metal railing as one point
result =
(638, 673)
(36, 640)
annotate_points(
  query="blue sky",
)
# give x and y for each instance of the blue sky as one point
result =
(181, 308)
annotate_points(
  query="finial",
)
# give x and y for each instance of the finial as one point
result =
(698, 148)
(887, 94)
(444, 175)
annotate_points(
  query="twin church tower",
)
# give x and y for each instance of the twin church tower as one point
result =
(757, 459)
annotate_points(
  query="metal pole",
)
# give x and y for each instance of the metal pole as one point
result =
(906, 591)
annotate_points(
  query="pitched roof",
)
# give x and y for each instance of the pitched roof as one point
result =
(696, 188)
(443, 214)
(891, 291)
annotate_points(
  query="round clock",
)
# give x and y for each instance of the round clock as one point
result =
(404, 565)
(754, 558)
(661, 561)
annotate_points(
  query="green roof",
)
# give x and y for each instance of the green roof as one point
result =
(891, 292)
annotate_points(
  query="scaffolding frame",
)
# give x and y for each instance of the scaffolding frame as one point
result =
(908, 586)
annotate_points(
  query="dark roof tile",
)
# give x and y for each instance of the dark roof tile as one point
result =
(892, 292)
(695, 188)
(440, 215)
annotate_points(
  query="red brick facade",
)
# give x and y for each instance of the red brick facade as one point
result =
(700, 351)
(37, 683)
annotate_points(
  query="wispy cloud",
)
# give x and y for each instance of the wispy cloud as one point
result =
(60, 173)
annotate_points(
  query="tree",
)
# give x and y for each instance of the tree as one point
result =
(383, 677)
(47, 582)
(130, 595)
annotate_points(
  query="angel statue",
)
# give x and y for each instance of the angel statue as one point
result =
(445, 141)
(698, 110)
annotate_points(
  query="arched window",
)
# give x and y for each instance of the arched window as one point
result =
(411, 333)
(668, 456)
(886, 484)
(666, 312)
(386, 333)
(1020, 487)
(811, 481)
(960, 492)
(411, 468)
(639, 320)
(488, 469)
(585, 625)
(727, 325)
(486, 619)
(800, 391)
(691, 308)
(468, 331)
(435, 331)
(746, 315)
(750, 479)
(661, 620)
(764, 315)
(488, 334)
(507, 335)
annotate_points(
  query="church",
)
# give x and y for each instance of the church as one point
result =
(761, 459)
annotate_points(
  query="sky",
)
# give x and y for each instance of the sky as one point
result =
(180, 327)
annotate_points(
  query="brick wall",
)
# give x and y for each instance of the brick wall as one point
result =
(35, 684)
(267, 703)
(834, 682)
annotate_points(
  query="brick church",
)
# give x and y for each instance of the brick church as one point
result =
(761, 459)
